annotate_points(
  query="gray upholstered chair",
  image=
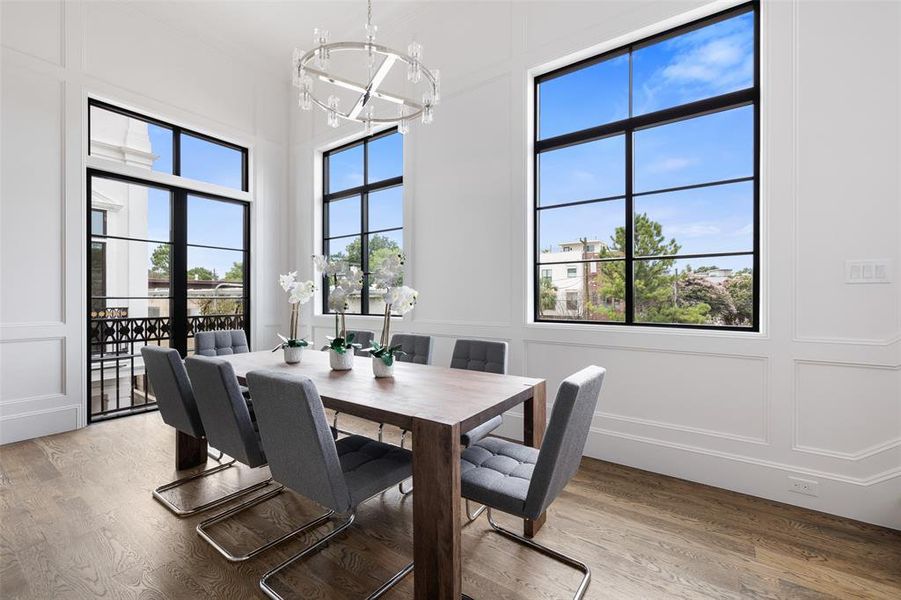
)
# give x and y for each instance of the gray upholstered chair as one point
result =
(523, 481)
(304, 455)
(415, 348)
(219, 343)
(175, 400)
(229, 426)
(364, 338)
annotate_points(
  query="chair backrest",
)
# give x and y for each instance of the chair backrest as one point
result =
(479, 355)
(564, 441)
(299, 444)
(364, 338)
(217, 343)
(172, 388)
(223, 409)
(417, 348)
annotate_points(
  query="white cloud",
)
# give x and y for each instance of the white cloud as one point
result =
(692, 230)
(671, 163)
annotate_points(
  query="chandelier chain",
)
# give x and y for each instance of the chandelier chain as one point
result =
(369, 12)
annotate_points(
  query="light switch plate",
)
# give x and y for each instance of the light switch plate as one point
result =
(868, 271)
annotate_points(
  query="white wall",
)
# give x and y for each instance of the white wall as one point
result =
(54, 55)
(817, 393)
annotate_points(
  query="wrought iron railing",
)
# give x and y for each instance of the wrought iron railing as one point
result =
(118, 382)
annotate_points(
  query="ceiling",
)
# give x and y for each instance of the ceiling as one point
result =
(268, 31)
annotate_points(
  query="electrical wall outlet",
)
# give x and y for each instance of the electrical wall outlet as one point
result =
(868, 271)
(808, 487)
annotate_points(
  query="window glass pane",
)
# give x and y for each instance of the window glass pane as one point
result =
(591, 96)
(344, 216)
(386, 157)
(706, 62)
(600, 224)
(345, 169)
(701, 291)
(592, 291)
(213, 272)
(348, 249)
(215, 222)
(718, 218)
(98, 222)
(211, 162)
(129, 140)
(386, 209)
(710, 148)
(132, 210)
(130, 268)
(582, 172)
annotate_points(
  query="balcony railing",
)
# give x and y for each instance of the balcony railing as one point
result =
(118, 382)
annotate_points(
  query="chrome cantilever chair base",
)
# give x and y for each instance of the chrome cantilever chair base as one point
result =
(378, 593)
(187, 512)
(203, 526)
(549, 552)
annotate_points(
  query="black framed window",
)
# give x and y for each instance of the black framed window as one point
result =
(165, 261)
(646, 206)
(363, 210)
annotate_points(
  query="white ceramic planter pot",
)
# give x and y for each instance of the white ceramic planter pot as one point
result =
(380, 369)
(341, 362)
(292, 354)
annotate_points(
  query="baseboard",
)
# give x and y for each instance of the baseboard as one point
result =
(24, 426)
(875, 500)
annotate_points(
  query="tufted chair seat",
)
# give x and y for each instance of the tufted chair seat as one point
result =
(498, 473)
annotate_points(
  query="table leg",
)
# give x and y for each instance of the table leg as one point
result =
(189, 451)
(436, 511)
(534, 422)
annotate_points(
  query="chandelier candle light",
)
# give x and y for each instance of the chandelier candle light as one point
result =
(374, 106)
(348, 281)
(299, 293)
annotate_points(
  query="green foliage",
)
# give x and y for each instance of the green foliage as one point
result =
(547, 295)
(236, 272)
(386, 353)
(160, 261)
(741, 288)
(201, 274)
(341, 345)
(380, 248)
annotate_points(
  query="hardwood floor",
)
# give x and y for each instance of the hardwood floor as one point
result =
(77, 521)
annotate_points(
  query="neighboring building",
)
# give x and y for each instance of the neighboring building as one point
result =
(574, 281)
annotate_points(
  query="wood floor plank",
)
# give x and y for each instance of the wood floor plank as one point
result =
(77, 521)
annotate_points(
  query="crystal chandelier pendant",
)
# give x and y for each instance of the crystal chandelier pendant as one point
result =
(332, 117)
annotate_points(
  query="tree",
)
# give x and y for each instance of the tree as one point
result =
(653, 283)
(201, 274)
(695, 290)
(236, 272)
(741, 288)
(547, 295)
(160, 261)
(380, 247)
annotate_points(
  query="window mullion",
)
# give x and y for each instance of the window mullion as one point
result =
(629, 234)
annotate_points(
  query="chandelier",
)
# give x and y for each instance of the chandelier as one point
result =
(365, 91)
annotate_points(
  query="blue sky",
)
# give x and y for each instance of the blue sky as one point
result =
(706, 62)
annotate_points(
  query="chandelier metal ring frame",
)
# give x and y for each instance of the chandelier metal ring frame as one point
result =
(314, 64)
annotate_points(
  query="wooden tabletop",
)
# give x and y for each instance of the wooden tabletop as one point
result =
(437, 394)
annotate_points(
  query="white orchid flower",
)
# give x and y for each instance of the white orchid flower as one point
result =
(337, 300)
(401, 299)
(328, 267)
(301, 292)
(351, 281)
(287, 281)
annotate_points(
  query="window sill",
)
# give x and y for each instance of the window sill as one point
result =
(632, 330)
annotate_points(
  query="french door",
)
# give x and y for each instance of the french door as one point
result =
(163, 264)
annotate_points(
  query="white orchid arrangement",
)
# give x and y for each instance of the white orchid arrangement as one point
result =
(348, 281)
(299, 293)
(399, 299)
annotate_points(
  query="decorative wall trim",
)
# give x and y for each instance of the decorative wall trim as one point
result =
(859, 481)
(863, 454)
(38, 398)
(684, 428)
(40, 428)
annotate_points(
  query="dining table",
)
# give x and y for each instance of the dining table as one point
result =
(436, 404)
